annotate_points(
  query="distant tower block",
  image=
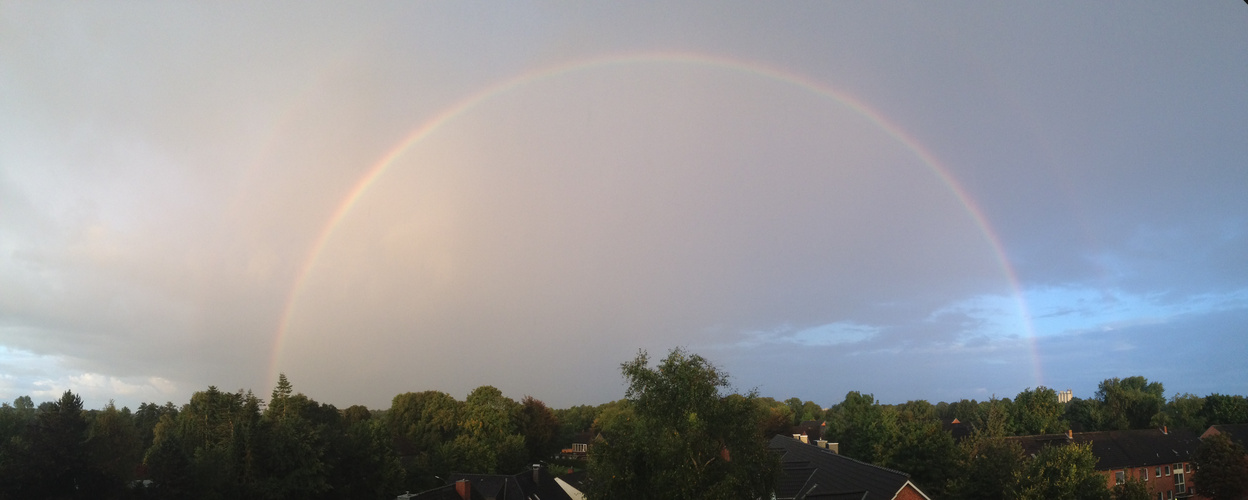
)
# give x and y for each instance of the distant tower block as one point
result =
(1065, 396)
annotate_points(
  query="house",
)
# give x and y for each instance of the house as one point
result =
(533, 484)
(958, 429)
(809, 471)
(1159, 457)
(578, 449)
(1237, 432)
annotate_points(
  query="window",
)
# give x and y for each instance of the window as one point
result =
(1169, 494)
(1158, 495)
(1144, 473)
(1178, 468)
(1167, 470)
(579, 447)
(1120, 477)
(1187, 467)
(1159, 475)
(1181, 488)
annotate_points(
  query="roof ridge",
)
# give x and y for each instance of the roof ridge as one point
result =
(832, 453)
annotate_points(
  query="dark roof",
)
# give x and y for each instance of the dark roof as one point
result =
(576, 479)
(811, 472)
(500, 487)
(1124, 449)
(446, 492)
(813, 429)
(1237, 432)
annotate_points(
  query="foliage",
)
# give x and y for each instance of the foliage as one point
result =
(1130, 403)
(988, 467)
(1067, 472)
(1132, 489)
(923, 448)
(866, 430)
(1084, 415)
(49, 459)
(1225, 409)
(540, 427)
(1037, 412)
(1221, 468)
(677, 436)
(114, 448)
(1184, 412)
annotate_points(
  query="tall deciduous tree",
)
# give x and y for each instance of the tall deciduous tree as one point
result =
(540, 428)
(1067, 472)
(1225, 409)
(1037, 412)
(1130, 403)
(923, 448)
(865, 429)
(1221, 469)
(1184, 412)
(988, 468)
(678, 436)
(1132, 489)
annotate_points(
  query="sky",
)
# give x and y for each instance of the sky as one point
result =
(913, 200)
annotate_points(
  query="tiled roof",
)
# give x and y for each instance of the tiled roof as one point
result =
(501, 487)
(810, 472)
(1123, 449)
(1237, 432)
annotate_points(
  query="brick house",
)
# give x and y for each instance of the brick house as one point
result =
(1159, 457)
(809, 471)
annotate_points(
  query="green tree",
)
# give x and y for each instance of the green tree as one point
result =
(540, 428)
(51, 461)
(1067, 472)
(988, 468)
(775, 417)
(1037, 412)
(1084, 415)
(1130, 403)
(146, 418)
(1225, 409)
(865, 429)
(208, 450)
(923, 448)
(488, 441)
(422, 426)
(1132, 489)
(287, 453)
(356, 413)
(114, 449)
(1221, 469)
(1184, 412)
(679, 436)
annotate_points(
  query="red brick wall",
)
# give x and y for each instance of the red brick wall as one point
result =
(1155, 484)
(908, 493)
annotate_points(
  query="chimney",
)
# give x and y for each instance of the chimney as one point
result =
(822, 443)
(537, 476)
(835, 447)
(797, 437)
(805, 439)
(464, 488)
(1070, 434)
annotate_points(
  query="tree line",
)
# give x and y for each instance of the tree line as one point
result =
(679, 431)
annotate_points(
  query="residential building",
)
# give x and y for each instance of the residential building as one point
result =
(1159, 457)
(811, 471)
(533, 484)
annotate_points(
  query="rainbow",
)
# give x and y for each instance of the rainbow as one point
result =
(761, 70)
